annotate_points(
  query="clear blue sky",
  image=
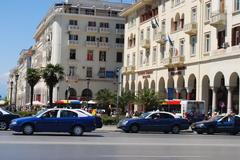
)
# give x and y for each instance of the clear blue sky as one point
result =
(19, 19)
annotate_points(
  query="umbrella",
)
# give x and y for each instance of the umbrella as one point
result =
(36, 103)
(2, 102)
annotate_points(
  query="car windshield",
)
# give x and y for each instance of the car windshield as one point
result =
(215, 118)
(144, 115)
(39, 112)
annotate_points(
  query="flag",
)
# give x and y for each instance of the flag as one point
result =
(170, 41)
(153, 25)
(156, 21)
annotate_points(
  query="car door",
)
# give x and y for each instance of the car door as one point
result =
(226, 124)
(67, 120)
(151, 123)
(48, 122)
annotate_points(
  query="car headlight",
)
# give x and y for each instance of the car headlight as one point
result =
(14, 123)
(201, 125)
(124, 122)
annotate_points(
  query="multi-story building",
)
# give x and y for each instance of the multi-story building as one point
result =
(86, 38)
(186, 49)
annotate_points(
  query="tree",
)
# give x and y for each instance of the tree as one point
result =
(147, 98)
(52, 75)
(105, 98)
(33, 76)
(126, 99)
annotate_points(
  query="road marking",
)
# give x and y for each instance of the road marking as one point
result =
(146, 156)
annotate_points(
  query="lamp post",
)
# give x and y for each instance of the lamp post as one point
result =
(88, 82)
(11, 88)
(68, 92)
(15, 97)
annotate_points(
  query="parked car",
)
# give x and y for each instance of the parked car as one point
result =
(154, 121)
(55, 120)
(5, 118)
(228, 124)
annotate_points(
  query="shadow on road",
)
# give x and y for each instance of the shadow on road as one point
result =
(58, 135)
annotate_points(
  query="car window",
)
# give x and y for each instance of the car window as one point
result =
(69, 114)
(165, 116)
(155, 116)
(1, 113)
(50, 114)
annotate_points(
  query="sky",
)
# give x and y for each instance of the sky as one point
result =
(19, 19)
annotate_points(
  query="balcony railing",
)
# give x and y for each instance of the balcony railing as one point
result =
(91, 43)
(160, 37)
(218, 19)
(104, 30)
(72, 78)
(73, 28)
(119, 31)
(72, 42)
(128, 69)
(167, 61)
(92, 29)
(178, 60)
(119, 45)
(190, 28)
(145, 43)
(103, 45)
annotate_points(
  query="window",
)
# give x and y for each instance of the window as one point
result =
(72, 54)
(128, 60)
(119, 26)
(163, 6)
(89, 11)
(162, 50)
(90, 55)
(236, 36)
(166, 116)
(50, 114)
(163, 26)
(119, 57)
(208, 11)
(147, 56)
(104, 25)
(71, 71)
(103, 39)
(89, 72)
(68, 114)
(221, 39)
(236, 5)
(142, 35)
(181, 46)
(133, 59)
(102, 56)
(193, 43)
(120, 40)
(141, 58)
(91, 24)
(207, 42)
(148, 33)
(194, 14)
(91, 38)
(154, 56)
(101, 72)
(73, 22)
(73, 37)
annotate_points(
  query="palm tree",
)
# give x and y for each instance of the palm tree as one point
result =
(33, 76)
(105, 98)
(148, 99)
(52, 74)
(126, 98)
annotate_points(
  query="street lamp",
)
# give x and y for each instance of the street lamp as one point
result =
(11, 88)
(88, 82)
(15, 97)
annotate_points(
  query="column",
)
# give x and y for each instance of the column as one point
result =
(213, 99)
(229, 100)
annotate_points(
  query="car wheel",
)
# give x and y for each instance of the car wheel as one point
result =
(175, 129)
(234, 132)
(126, 131)
(134, 128)
(77, 131)
(3, 125)
(28, 129)
(199, 132)
(210, 130)
(166, 132)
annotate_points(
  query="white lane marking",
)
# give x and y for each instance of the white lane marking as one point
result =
(118, 144)
(146, 156)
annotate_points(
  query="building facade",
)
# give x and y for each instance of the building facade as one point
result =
(184, 49)
(86, 38)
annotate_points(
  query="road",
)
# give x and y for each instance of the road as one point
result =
(112, 145)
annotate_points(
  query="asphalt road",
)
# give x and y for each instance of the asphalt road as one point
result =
(112, 145)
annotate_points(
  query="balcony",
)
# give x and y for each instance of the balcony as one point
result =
(145, 43)
(104, 30)
(119, 45)
(119, 31)
(128, 69)
(160, 37)
(178, 60)
(72, 42)
(218, 20)
(92, 29)
(191, 28)
(72, 78)
(103, 45)
(73, 28)
(167, 62)
(91, 44)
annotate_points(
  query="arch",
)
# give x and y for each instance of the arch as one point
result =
(170, 89)
(153, 85)
(192, 87)
(132, 86)
(146, 84)
(207, 93)
(87, 93)
(126, 86)
(234, 88)
(162, 89)
(139, 86)
(70, 93)
(180, 82)
(172, 25)
(233, 79)
(218, 79)
(182, 21)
